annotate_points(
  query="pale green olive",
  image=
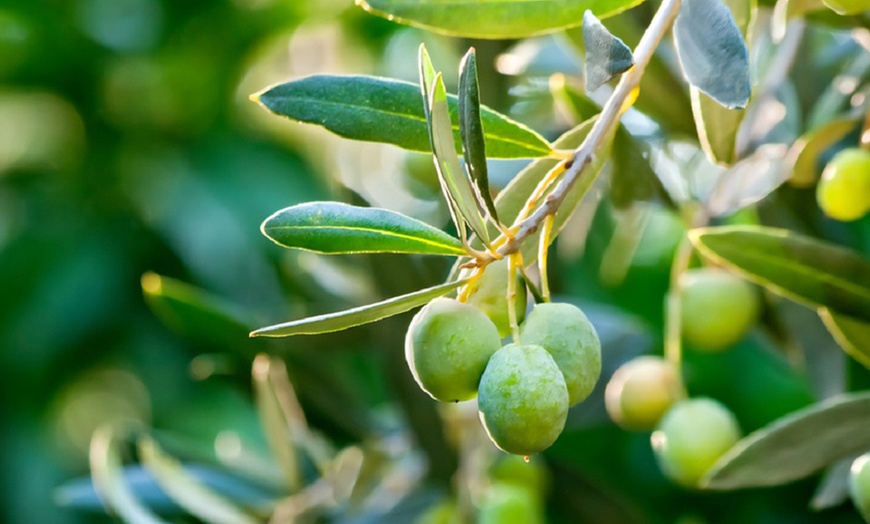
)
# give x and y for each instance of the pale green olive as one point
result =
(718, 308)
(489, 294)
(565, 332)
(859, 485)
(523, 399)
(510, 504)
(843, 192)
(447, 346)
(641, 391)
(691, 437)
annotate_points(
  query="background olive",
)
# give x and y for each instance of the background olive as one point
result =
(447, 346)
(641, 391)
(717, 308)
(859, 485)
(523, 399)
(843, 192)
(691, 437)
(565, 332)
(510, 504)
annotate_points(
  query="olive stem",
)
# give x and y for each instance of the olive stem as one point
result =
(511, 297)
(673, 304)
(543, 253)
(602, 129)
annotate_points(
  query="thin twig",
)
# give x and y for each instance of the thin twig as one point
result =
(601, 130)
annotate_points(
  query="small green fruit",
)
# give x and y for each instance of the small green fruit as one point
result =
(564, 331)
(523, 399)
(444, 512)
(859, 485)
(510, 504)
(843, 192)
(447, 346)
(530, 474)
(641, 391)
(489, 294)
(691, 437)
(718, 308)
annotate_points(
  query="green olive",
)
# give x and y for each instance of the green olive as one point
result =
(843, 192)
(489, 294)
(447, 346)
(859, 485)
(691, 437)
(717, 308)
(641, 391)
(510, 504)
(564, 331)
(529, 473)
(523, 399)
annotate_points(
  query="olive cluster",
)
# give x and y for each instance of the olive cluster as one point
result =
(524, 389)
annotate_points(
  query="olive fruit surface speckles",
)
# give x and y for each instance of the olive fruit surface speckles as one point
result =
(523, 399)
(447, 346)
(565, 332)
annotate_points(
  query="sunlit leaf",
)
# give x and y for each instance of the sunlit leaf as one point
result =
(496, 19)
(456, 184)
(389, 111)
(812, 144)
(471, 130)
(108, 474)
(186, 490)
(606, 55)
(712, 51)
(334, 228)
(798, 267)
(851, 334)
(750, 179)
(795, 446)
(359, 315)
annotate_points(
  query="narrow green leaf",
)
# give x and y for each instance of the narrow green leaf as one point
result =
(795, 446)
(847, 7)
(851, 334)
(457, 186)
(606, 55)
(108, 476)
(427, 78)
(813, 144)
(495, 19)
(717, 126)
(833, 489)
(194, 311)
(389, 111)
(712, 51)
(471, 130)
(359, 315)
(335, 228)
(188, 492)
(280, 416)
(798, 267)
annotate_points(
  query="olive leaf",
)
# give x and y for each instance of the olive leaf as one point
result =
(606, 55)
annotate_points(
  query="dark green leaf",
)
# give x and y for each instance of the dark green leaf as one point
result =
(194, 311)
(471, 129)
(851, 334)
(606, 55)
(712, 51)
(795, 446)
(389, 111)
(334, 228)
(457, 186)
(495, 19)
(359, 315)
(185, 489)
(795, 266)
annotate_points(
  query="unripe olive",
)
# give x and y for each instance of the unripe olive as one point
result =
(691, 437)
(859, 485)
(444, 512)
(523, 399)
(510, 504)
(529, 473)
(843, 192)
(641, 391)
(718, 308)
(489, 294)
(447, 346)
(565, 332)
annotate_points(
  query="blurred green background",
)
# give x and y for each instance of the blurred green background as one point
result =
(129, 147)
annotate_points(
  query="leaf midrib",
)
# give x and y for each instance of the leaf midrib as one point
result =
(382, 232)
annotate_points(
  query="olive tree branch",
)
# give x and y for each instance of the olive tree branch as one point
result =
(601, 130)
